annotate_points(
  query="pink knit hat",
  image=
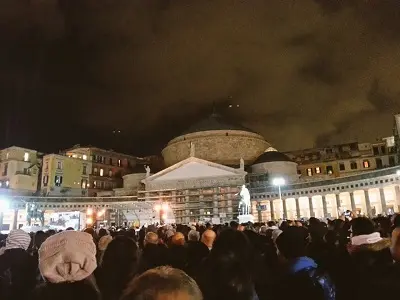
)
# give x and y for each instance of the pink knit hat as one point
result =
(67, 257)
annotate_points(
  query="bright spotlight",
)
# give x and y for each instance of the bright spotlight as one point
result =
(4, 204)
(165, 207)
(164, 216)
(89, 221)
(278, 181)
(157, 207)
(89, 211)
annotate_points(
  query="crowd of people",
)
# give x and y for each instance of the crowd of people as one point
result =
(338, 259)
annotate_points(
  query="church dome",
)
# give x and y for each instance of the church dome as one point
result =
(270, 156)
(215, 122)
(275, 164)
(218, 140)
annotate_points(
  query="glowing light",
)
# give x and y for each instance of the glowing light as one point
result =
(278, 181)
(165, 207)
(157, 207)
(99, 214)
(398, 172)
(89, 221)
(89, 211)
(4, 204)
(164, 216)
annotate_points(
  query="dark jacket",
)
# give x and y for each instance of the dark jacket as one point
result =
(17, 274)
(306, 279)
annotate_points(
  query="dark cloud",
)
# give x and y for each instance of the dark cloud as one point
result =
(303, 73)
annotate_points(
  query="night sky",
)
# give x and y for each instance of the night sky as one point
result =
(304, 72)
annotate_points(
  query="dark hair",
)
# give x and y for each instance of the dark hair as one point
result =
(161, 280)
(84, 289)
(292, 242)
(121, 260)
(362, 226)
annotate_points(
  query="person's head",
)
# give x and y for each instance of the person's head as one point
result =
(178, 239)
(39, 238)
(292, 243)
(18, 239)
(194, 235)
(362, 226)
(234, 225)
(104, 241)
(208, 238)
(163, 283)
(151, 238)
(121, 253)
(68, 256)
(102, 232)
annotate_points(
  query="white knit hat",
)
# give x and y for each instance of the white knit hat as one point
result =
(18, 239)
(67, 257)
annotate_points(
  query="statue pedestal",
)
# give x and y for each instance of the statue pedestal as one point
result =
(246, 219)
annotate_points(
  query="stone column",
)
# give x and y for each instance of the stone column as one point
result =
(338, 204)
(298, 208)
(312, 214)
(271, 206)
(352, 202)
(259, 214)
(383, 200)
(284, 208)
(324, 207)
(397, 196)
(15, 219)
(367, 203)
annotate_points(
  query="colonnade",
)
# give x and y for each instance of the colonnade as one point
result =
(368, 202)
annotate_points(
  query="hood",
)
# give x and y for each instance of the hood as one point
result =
(374, 247)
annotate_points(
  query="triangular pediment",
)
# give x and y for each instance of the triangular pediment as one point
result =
(194, 168)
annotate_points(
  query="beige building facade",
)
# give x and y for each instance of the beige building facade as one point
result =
(19, 169)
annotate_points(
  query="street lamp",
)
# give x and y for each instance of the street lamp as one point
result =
(279, 181)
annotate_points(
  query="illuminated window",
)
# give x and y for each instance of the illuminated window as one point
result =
(101, 172)
(59, 165)
(366, 164)
(110, 173)
(26, 156)
(309, 172)
(95, 171)
(84, 157)
(74, 155)
(84, 183)
(119, 162)
(7, 155)
(329, 170)
(95, 184)
(58, 180)
(317, 170)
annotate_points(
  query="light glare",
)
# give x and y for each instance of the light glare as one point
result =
(278, 181)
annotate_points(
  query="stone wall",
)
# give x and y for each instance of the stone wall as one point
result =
(196, 183)
(220, 146)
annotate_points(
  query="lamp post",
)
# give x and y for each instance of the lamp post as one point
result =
(280, 181)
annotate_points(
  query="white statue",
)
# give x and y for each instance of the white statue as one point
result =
(192, 149)
(241, 163)
(244, 204)
(147, 168)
